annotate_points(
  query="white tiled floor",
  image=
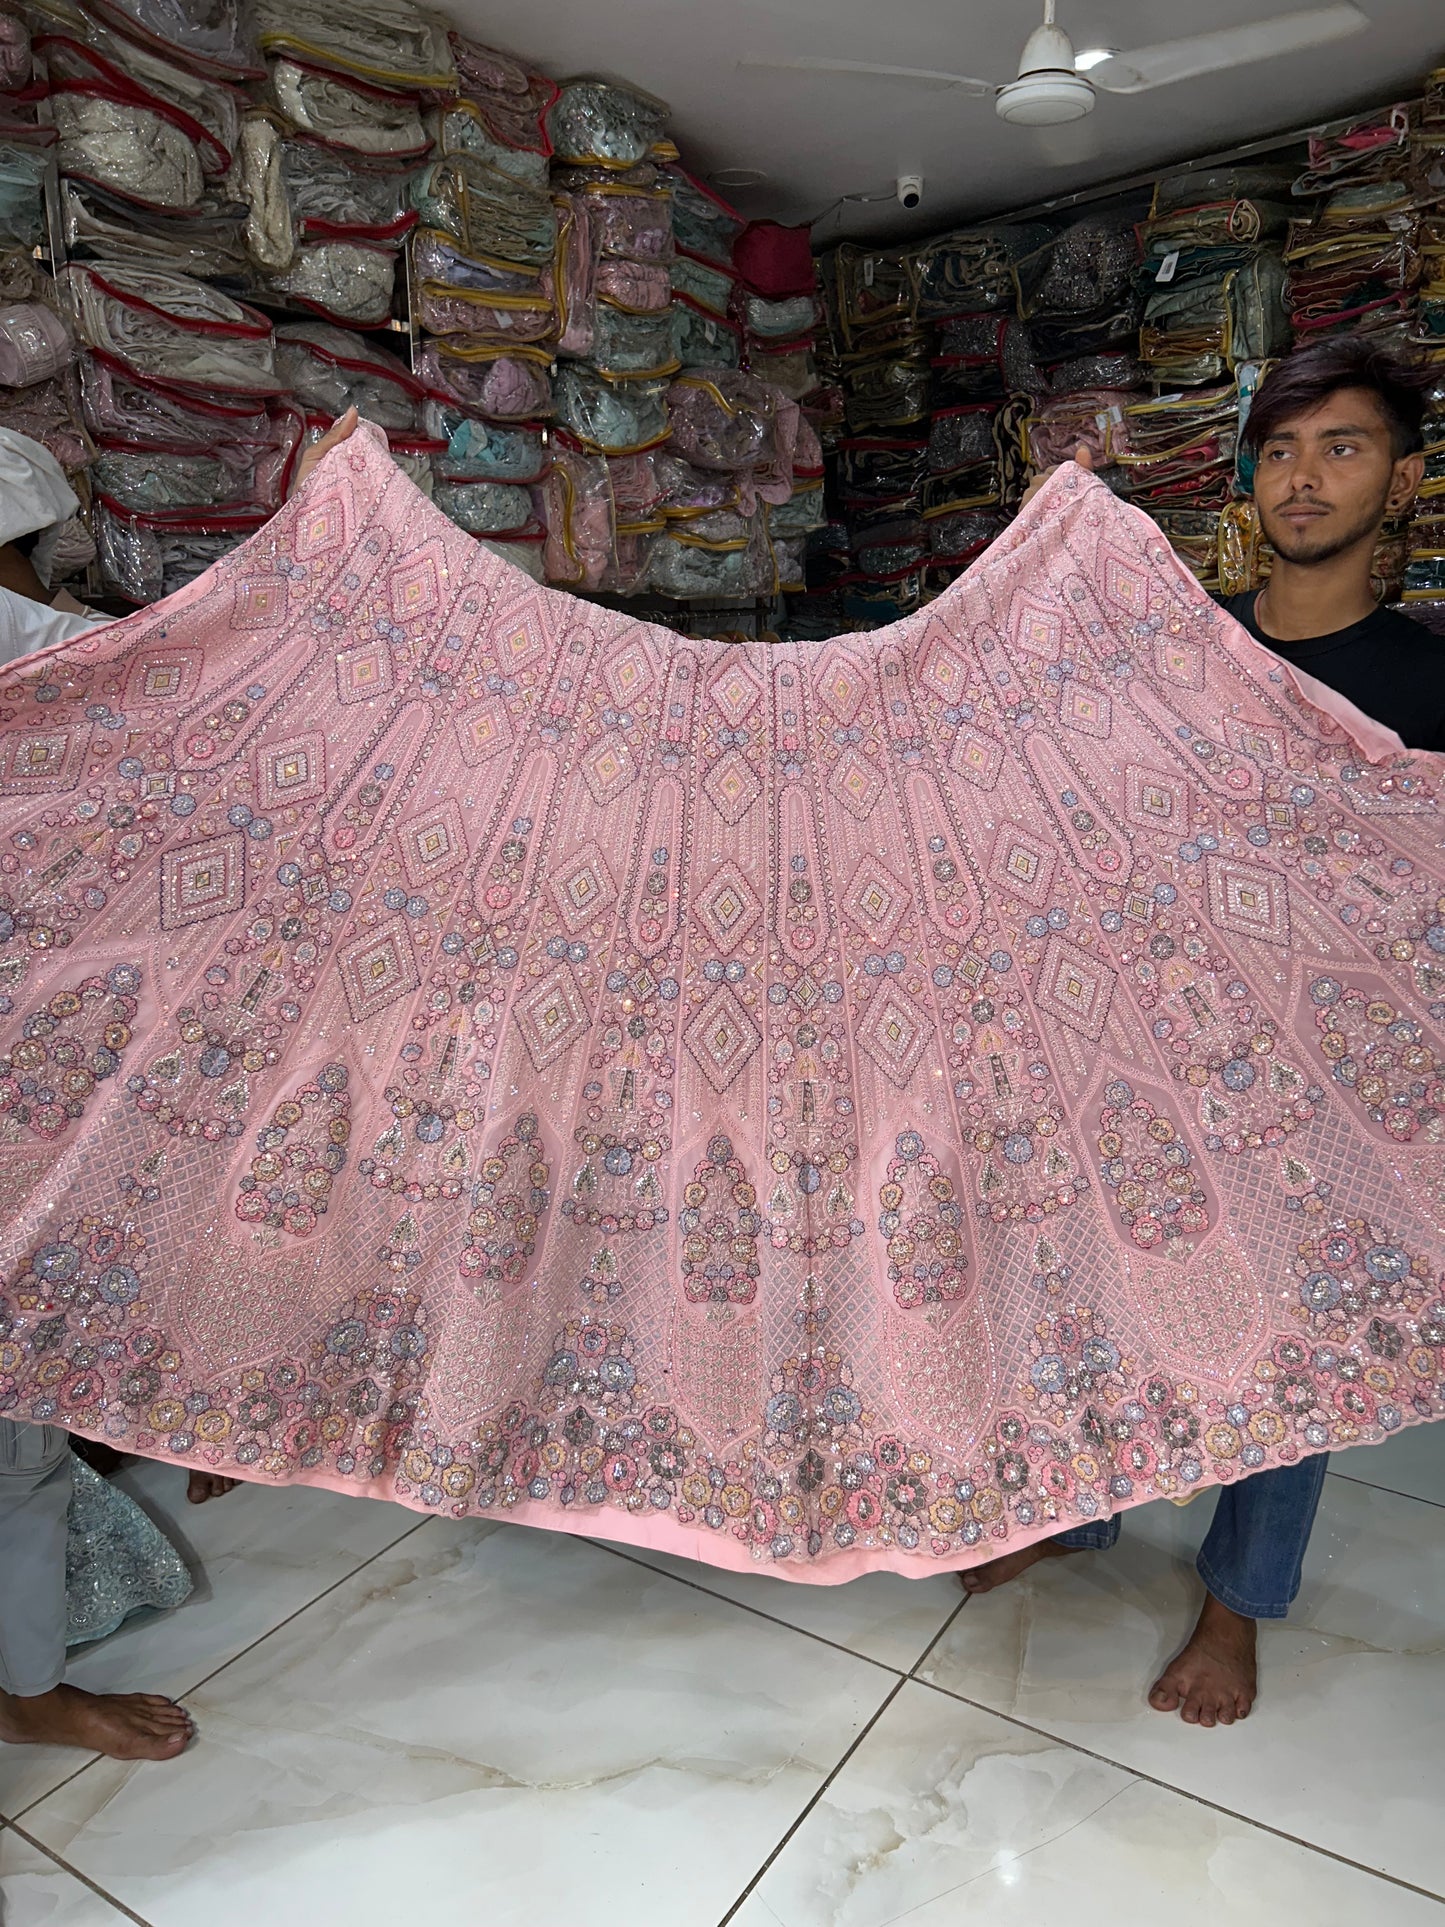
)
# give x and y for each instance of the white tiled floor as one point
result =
(429, 1721)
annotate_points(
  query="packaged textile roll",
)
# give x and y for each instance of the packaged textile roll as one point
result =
(502, 384)
(226, 475)
(511, 102)
(145, 557)
(867, 290)
(123, 405)
(350, 282)
(330, 370)
(702, 339)
(173, 328)
(688, 567)
(707, 287)
(347, 113)
(1198, 329)
(205, 114)
(210, 37)
(803, 511)
(483, 451)
(593, 122)
(35, 343)
(577, 513)
(970, 272)
(611, 417)
(787, 320)
(1091, 418)
(487, 212)
(960, 436)
(703, 222)
(958, 535)
(630, 221)
(722, 419)
(389, 42)
(204, 242)
(302, 190)
(485, 508)
(786, 365)
(129, 142)
(458, 127)
(504, 318)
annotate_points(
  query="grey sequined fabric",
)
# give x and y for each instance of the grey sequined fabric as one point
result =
(117, 1561)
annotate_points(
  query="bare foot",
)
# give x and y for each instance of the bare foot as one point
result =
(123, 1726)
(201, 1486)
(1213, 1680)
(997, 1572)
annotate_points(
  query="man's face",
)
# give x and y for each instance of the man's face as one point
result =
(1326, 479)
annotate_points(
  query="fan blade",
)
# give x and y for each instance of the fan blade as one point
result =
(1139, 69)
(925, 75)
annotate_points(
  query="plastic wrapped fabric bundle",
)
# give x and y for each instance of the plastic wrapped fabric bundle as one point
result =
(624, 343)
(143, 558)
(1220, 224)
(207, 112)
(611, 417)
(1118, 369)
(49, 413)
(1363, 150)
(577, 514)
(958, 437)
(501, 318)
(890, 555)
(1196, 330)
(436, 257)
(631, 558)
(484, 508)
(125, 144)
(685, 492)
(330, 370)
(16, 65)
(1180, 452)
(1091, 418)
(459, 127)
(631, 221)
(958, 535)
(389, 42)
(883, 466)
(205, 242)
(636, 485)
(701, 339)
(687, 568)
(210, 37)
(486, 211)
(35, 343)
(785, 320)
(709, 288)
(1088, 266)
(304, 190)
(147, 481)
(722, 419)
(122, 405)
(970, 272)
(504, 384)
(790, 563)
(173, 328)
(786, 365)
(593, 122)
(867, 289)
(893, 392)
(511, 101)
(482, 451)
(346, 281)
(702, 221)
(347, 113)
(522, 548)
(802, 512)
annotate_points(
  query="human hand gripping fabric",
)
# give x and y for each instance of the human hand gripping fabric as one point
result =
(1082, 456)
(339, 431)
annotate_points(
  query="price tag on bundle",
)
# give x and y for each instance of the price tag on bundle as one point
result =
(1168, 265)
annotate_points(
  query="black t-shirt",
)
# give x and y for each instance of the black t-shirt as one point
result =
(1390, 667)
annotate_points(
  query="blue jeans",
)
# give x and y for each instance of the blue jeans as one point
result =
(1255, 1547)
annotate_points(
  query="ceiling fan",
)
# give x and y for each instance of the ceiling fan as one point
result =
(1052, 88)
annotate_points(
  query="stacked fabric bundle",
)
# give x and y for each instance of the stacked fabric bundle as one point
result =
(40, 395)
(1354, 265)
(1423, 589)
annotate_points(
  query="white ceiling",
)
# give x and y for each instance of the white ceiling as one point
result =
(819, 136)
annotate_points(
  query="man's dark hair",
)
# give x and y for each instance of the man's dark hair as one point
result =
(1311, 375)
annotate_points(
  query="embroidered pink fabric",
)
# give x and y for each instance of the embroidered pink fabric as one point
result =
(864, 1104)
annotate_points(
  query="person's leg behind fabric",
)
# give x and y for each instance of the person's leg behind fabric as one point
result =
(1250, 1562)
(1098, 1536)
(36, 1707)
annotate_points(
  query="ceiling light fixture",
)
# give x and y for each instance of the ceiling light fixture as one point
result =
(1092, 57)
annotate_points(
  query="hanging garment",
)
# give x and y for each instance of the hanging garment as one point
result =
(819, 1108)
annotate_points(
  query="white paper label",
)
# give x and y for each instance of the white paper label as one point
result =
(1167, 266)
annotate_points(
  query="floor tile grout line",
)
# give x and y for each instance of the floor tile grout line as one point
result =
(1199, 1799)
(85, 1880)
(206, 1678)
(757, 1611)
(822, 1788)
(1372, 1485)
(909, 1678)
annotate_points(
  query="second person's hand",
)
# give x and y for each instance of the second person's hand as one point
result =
(1082, 456)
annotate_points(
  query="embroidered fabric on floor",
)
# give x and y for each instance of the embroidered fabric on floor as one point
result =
(865, 1104)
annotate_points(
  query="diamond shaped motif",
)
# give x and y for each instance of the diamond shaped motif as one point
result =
(1248, 899)
(732, 787)
(483, 731)
(260, 603)
(1036, 630)
(43, 762)
(1023, 863)
(584, 889)
(1157, 801)
(362, 672)
(377, 968)
(292, 772)
(519, 644)
(608, 768)
(1255, 740)
(735, 690)
(433, 842)
(842, 684)
(1086, 709)
(722, 1037)
(894, 1032)
(321, 528)
(1126, 585)
(1075, 987)
(552, 1016)
(628, 674)
(876, 900)
(416, 586)
(976, 758)
(203, 880)
(1179, 660)
(162, 676)
(856, 784)
(943, 670)
(728, 908)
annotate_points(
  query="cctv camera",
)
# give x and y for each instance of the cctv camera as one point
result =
(910, 190)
